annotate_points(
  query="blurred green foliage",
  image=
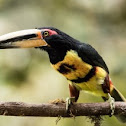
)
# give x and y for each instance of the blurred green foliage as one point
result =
(26, 75)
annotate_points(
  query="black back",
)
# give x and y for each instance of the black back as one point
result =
(91, 56)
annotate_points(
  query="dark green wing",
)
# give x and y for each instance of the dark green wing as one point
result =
(91, 56)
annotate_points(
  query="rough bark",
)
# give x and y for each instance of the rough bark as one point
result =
(55, 110)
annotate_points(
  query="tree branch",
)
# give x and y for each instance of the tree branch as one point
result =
(55, 110)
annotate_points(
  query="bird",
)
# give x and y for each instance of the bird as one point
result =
(82, 66)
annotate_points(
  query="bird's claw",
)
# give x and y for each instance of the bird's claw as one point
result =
(111, 101)
(57, 101)
(69, 101)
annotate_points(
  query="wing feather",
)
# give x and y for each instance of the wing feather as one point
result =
(91, 56)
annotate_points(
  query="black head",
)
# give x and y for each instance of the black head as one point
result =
(58, 43)
(56, 38)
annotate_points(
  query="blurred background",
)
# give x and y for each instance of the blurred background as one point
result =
(26, 74)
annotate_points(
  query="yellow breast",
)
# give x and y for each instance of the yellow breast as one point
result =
(80, 68)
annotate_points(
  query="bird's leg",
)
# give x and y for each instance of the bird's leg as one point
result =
(69, 101)
(74, 94)
(111, 101)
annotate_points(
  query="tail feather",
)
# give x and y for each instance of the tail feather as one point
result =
(118, 97)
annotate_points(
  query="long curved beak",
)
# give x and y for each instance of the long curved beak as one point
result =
(22, 39)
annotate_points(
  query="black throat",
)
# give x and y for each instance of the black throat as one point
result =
(54, 55)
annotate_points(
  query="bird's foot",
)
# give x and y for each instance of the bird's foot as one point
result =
(69, 102)
(56, 101)
(111, 101)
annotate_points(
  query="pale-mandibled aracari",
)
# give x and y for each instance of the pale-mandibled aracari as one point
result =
(79, 62)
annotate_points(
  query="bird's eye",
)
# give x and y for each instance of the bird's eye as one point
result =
(45, 34)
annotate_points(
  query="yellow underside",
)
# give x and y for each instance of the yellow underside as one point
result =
(94, 85)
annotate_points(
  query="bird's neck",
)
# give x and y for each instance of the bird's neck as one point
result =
(55, 56)
(58, 52)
